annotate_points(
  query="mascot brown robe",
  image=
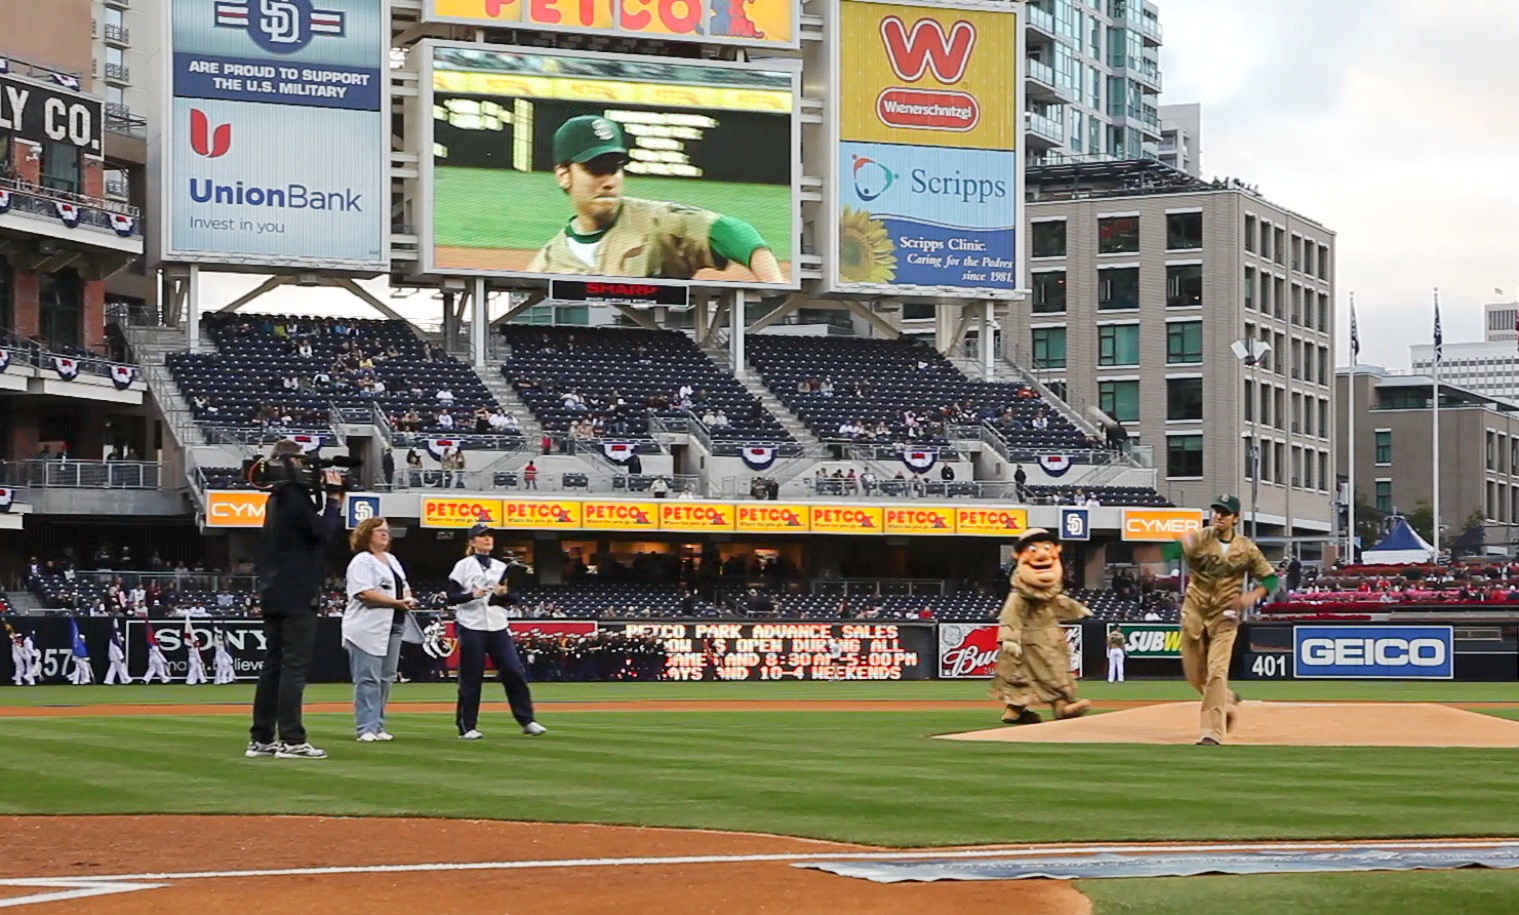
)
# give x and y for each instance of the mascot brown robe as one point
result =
(1034, 660)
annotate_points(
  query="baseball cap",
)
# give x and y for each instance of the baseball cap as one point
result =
(1226, 503)
(1032, 536)
(479, 530)
(583, 138)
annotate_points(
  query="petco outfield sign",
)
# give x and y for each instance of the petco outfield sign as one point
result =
(1374, 652)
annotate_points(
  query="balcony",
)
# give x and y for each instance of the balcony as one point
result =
(1041, 83)
(118, 35)
(46, 229)
(1041, 128)
(1041, 21)
(119, 4)
(94, 487)
(118, 73)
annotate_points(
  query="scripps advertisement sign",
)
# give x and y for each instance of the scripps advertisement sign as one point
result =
(927, 164)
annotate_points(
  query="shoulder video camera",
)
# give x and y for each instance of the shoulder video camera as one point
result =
(304, 470)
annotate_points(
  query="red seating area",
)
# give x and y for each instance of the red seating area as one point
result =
(1376, 588)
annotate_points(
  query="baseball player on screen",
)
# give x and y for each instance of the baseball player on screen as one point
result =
(614, 235)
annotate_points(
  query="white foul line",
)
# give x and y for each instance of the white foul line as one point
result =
(1026, 851)
(73, 889)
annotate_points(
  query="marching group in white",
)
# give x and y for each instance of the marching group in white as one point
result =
(26, 661)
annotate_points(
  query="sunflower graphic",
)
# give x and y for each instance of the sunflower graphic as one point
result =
(866, 252)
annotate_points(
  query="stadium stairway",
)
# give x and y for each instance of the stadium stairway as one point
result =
(150, 346)
(789, 421)
(496, 383)
(22, 602)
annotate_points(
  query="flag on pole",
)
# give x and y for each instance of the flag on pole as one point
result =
(1439, 338)
(77, 641)
(1355, 334)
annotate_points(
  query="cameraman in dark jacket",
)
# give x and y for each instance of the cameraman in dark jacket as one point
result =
(291, 563)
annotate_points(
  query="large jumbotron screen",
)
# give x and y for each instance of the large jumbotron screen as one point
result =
(582, 164)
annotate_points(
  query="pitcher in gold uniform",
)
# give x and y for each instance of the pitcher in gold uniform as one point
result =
(1218, 558)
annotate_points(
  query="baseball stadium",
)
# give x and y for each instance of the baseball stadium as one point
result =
(723, 457)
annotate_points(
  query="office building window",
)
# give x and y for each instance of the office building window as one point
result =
(1119, 399)
(1384, 496)
(918, 311)
(1184, 456)
(1118, 344)
(1383, 446)
(1184, 286)
(1049, 292)
(1118, 235)
(1049, 238)
(1323, 471)
(60, 167)
(1118, 289)
(1323, 264)
(1249, 287)
(1184, 342)
(1049, 347)
(1250, 231)
(1279, 464)
(1249, 401)
(1184, 398)
(1184, 231)
(1323, 417)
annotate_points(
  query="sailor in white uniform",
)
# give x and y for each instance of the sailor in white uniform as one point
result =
(117, 672)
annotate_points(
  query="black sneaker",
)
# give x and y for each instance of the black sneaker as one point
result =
(300, 751)
(1208, 742)
(256, 749)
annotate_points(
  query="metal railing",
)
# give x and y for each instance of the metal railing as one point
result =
(120, 73)
(118, 33)
(184, 581)
(572, 483)
(43, 473)
(38, 200)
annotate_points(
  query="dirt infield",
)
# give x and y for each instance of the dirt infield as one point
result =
(179, 865)
(1299, 724)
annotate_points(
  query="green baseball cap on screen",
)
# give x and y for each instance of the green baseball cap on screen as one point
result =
(1227, 504)
(586, 137)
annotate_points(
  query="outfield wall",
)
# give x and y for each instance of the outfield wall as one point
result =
(853, 650)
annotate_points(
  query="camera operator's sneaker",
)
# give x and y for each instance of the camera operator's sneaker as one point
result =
(533, 729)
(300, 751)
(471, 734)
(256, 749)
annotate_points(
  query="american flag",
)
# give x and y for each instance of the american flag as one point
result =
(1355, 335)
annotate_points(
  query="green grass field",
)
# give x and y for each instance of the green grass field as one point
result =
(870, 777)
(491, 208)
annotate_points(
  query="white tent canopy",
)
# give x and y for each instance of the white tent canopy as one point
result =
(1400, 547)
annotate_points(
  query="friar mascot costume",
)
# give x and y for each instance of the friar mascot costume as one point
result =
(1034, 663)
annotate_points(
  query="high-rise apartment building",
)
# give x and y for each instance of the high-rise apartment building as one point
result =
(1142, 279)
(1181, 137)
(1501, 322)
(1093, 80)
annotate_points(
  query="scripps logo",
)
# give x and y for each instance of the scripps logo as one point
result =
(280, 26)
(871, 178)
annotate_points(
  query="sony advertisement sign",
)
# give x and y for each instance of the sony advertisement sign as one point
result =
(1373, 652)
(41, 113)
(276, 147)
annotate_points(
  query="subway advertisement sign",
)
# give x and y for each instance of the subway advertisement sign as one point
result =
(1150, 640)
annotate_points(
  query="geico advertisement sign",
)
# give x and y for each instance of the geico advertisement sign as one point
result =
(235, 509)
(1150, 640)
(1160, 525)
(969, 651)
(1374, 652)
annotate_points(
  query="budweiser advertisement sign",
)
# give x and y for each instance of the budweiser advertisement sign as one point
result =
(969, 650)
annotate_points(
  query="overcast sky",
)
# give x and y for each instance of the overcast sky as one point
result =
(1392, 122)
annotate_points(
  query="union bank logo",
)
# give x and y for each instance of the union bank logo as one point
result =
(280, 26)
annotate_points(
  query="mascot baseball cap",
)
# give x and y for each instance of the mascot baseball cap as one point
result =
(1032, 536)
(586, 137)
(1227, 504)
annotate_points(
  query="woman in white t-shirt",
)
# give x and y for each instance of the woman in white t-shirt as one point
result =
(478, 593)
(373, 624)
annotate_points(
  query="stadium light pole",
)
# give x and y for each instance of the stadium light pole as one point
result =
(1250, 353)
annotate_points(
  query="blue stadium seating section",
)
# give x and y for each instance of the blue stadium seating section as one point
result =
(233, 387)
(644, 368)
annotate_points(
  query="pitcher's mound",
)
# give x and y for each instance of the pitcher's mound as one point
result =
(1293, 724)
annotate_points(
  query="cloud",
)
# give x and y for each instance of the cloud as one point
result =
(1388, 122)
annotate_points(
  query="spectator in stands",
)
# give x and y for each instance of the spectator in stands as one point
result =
(414, 467)
(721, 420)
(947, 473)
(1040, 421)
(388, 466)
(445, 395)
(445, 419)
(660, 488)
(530, 476)
(1091, 501)
(868, 482)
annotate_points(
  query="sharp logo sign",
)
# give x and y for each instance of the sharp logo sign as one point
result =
(213, 144)
(1374, 652)
(280, 26)
(912, 53)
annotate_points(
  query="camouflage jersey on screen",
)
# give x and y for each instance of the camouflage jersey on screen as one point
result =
(651, 238)
(1218, 571)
